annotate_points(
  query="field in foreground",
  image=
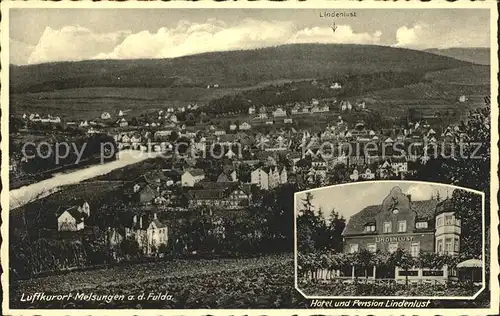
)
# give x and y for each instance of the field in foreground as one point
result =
(265, 282)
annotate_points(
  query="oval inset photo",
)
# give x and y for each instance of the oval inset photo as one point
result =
(394, 239)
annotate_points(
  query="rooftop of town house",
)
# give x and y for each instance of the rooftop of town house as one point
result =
(216, 190)
(196, 172)
(73, 211)
(158, 224)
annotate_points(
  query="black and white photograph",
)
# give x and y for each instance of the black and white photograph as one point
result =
(390, 238)
(180, 156)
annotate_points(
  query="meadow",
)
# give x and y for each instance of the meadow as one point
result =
(468, 75)
(89, 103)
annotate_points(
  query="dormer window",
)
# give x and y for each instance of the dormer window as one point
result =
(370, 228)
(420, 225)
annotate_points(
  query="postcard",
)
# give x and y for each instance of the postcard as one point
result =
(249, 158)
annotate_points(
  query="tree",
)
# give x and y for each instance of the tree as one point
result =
(339, 174)
(468, 208)
(414, 115)
(307, 207)
(336, 225)
(431, 260)
(470, 168)
(306, 225)
(365, 259)
(173, 137)
(154, 249)
(130, 247)
(190, 119)
(403, 259)
(244, 173)
(382, 261)
(163, 249)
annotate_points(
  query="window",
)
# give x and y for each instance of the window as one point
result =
(440, 222)
(372, 247)
(387, 227)
(402, 226)
(422, 225)
(457, 244)
(393, 246)
(448, 246)
(448, 220)
(440, 246)
(354, 248)
(415, 249)
(369, 228)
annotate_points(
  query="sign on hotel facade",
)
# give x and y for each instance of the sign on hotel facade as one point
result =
(398, 222)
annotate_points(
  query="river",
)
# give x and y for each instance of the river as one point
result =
(28, 193)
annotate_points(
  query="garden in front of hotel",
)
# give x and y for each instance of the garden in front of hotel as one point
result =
(381, 273)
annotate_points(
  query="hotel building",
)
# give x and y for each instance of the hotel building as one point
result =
(399, 222)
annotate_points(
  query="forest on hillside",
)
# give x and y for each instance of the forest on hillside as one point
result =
(228, 69)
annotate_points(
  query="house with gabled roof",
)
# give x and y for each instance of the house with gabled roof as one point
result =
(335, 86)
(269, 177)
(122, 122)
(228, 175)
(192, 176)
(367, 174)
(296, 109)
(279, 112)
(72, 218)
(245, 126)
(227, 195)
(150, 233)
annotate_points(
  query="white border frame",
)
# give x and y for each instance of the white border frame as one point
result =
(317, 4)
(396, 182)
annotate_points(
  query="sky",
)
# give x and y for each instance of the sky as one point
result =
(350, 199)
(48, 35)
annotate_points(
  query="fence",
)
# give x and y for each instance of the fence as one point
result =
(327, 276)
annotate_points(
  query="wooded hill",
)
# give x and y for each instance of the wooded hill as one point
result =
(228, 69)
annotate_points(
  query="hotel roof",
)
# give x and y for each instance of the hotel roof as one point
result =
(424, 210)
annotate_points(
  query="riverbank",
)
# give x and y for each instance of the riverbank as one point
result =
(17, 183)
(28, 193)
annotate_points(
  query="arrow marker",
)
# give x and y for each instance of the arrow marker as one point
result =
(334, 27)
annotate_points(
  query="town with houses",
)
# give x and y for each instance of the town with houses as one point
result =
(250, 158)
